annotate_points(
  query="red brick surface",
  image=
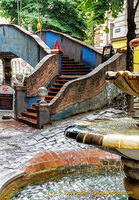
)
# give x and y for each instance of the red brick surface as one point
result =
(86, 87)
(45, 71)
(50, 160)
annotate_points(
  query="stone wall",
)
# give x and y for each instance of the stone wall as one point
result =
(45, 71)
(87, 87)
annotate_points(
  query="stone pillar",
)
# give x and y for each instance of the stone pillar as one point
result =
(43, 115)
(131, 180)
(7, 79)
(21, 101)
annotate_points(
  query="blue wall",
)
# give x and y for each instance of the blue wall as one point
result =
(17, 42)
(51, 39)
(33, 100)
(88, 57)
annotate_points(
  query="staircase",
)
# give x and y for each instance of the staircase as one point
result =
(70, 71)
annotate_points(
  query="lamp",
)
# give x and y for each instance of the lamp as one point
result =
(46, 19)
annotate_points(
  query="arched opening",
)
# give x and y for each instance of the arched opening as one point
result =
(10, 65)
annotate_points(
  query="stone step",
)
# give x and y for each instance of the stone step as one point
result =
(52, 93)
(56, 86)
(29, 121)
(32, 109)
(70, 71)
(69, 77)
(75, 70)
(50, 97)
(62, 81)
(29, 115)
(66, 58)
(48, 100)
(73, 65)
(73, 73)
(69, 61)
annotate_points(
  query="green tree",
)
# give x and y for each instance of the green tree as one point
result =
(99, 10)
(63, 15)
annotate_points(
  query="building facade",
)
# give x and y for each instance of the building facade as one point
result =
(117, 34)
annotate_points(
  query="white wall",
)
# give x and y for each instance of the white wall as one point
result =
(120, 27)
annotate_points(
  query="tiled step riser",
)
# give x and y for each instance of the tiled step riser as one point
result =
(66, 58)
(52, 93)
(61, 81)
(68, 62)
(55, 90)
(31, 110)
(34, 125)
(57, 85)
(50, 97)
(73, 73)
(75, 70)
(29, 116)
(67, 77)
(72, 65)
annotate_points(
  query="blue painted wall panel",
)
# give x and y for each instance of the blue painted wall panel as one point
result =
(90, 104)
(33, 100)
(14, 41)
(51, 39)
(88, 57)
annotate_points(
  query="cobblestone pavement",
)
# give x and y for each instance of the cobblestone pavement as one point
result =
(19, 142)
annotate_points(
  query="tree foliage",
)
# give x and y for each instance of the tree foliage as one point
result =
(63, 15)
(99, 9)
(96, 11)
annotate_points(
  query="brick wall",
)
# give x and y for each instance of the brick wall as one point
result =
(86, 87)
(42, 75)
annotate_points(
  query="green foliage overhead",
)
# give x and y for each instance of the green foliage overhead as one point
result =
(95, 12)
(63, 15)
(99, 8)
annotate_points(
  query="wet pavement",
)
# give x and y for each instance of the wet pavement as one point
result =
(19, 142)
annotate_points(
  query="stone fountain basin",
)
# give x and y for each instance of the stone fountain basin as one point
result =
(126, 81)
(120, 136)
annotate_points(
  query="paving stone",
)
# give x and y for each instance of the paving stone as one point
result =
(24, 142)
(60, 140)
(48, 147)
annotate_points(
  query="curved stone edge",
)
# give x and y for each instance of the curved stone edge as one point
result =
(125, 81)
(79, 90)
(121, 141)
(11, 183)
(45, 165)
(33, 36)
(94, 103)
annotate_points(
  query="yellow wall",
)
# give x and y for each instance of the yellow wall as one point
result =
(136, 59)
(121, 44)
